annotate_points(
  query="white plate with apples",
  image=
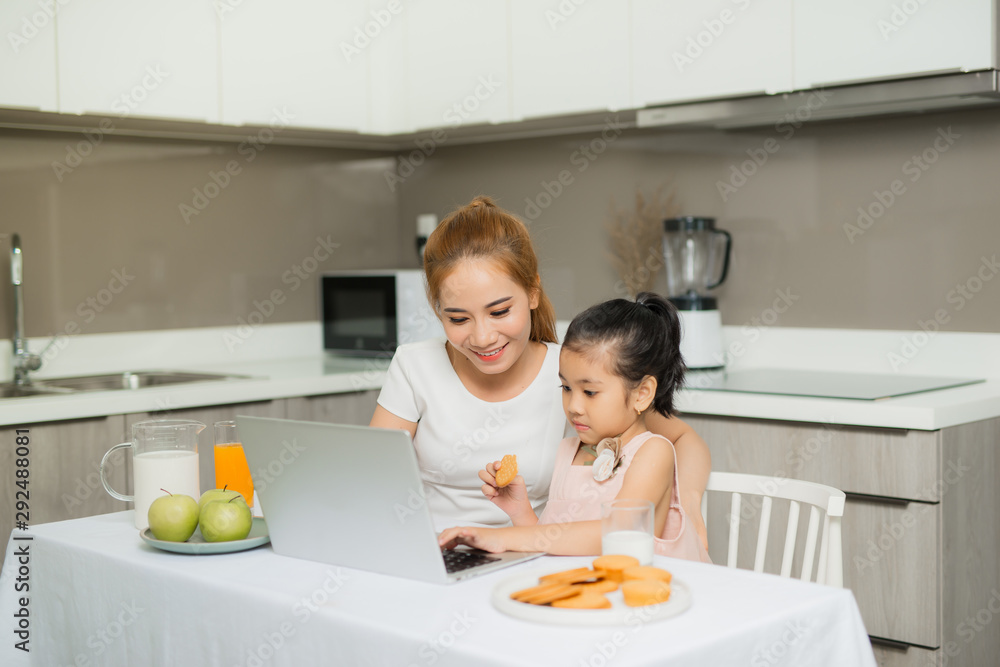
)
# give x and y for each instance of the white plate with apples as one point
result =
(196, 544)
(181, 524)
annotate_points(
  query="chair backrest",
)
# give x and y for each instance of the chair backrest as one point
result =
(820, 498)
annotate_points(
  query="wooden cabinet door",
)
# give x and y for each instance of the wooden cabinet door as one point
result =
(64, 478)
(28, 65)
(208, 416)
(894, 463)
(352, 408)
(854, 40)
(892, 553)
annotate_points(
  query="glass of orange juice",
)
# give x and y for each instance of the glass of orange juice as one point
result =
(231, 469)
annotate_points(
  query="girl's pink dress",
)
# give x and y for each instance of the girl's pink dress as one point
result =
(576, 496)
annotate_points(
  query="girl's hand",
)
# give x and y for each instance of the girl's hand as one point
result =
(487, 539)
(512, 499)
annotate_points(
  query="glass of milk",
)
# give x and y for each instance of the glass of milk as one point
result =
(164, 460)
(627, 529)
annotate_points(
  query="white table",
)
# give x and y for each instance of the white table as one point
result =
(101, 596)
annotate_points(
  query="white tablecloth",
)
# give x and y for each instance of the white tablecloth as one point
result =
(101, 596)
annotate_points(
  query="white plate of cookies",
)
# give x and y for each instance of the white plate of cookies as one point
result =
(616, 590)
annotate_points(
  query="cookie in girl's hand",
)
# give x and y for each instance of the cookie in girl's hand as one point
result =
(507, 470)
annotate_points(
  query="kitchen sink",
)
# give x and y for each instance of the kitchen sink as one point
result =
(11, 390)
(111, 381)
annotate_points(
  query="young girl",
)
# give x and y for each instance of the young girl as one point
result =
(620, 361)
(491, 388)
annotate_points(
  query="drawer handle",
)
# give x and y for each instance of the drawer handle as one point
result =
(898, 645)
(884, 500)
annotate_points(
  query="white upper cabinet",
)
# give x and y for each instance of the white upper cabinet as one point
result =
(303, 63)
(684, 50)
(457, 65)
(139, 58)
(28, 60)
(855, 40)
(388, 85)
(388, 67)
(568, 57)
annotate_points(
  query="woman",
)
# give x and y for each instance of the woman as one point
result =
(492, 388)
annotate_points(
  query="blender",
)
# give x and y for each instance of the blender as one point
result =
(697, 260)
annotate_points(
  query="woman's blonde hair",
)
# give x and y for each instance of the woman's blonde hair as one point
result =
(482, 230)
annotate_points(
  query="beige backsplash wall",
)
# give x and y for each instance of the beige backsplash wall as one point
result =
(119, 212)
(790, 245)
(119, 209)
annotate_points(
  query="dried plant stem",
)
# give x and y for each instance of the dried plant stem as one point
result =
(636, 237)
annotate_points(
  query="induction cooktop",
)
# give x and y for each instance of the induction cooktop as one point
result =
(820, 384)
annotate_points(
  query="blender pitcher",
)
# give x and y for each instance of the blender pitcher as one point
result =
(696, 256)
(164, 460)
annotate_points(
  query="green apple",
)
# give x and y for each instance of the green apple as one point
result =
(217, 494)
(173, 518)
(225, 521)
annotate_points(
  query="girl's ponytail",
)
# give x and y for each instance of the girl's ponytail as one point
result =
(671, 365)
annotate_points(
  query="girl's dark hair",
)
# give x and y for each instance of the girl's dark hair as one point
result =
(483, 230)
(636, 339)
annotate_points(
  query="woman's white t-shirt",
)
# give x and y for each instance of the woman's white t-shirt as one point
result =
(458, 434)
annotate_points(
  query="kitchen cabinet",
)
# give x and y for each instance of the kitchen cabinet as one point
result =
(139, 58)
(555, 67)
(303, 60)
(388, 87)
(684, 51)
(65, 456)
(64, 478)
(920, 535)
(28, 66)
(388, 67)
(457, 63)
(354, 408)
(855, 40)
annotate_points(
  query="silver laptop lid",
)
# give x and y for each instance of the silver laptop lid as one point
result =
(346, 495)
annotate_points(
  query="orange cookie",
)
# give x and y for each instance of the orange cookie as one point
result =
(642, 592)
(614, 565)
(599, 586)
(534, 590)
(546, 593)
(646, 572)
(589, 600)
(507, 471)
(578, 575)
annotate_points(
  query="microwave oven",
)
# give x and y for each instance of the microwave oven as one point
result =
(369, 313)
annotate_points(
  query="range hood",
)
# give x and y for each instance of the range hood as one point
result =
(935, 92)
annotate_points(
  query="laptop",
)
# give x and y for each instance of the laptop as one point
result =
(352, 496)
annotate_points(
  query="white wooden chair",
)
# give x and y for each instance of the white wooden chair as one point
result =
(820, 498)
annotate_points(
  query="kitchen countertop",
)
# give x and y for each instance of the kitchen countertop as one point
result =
(279, 374)
(279, 378)
(283, 360)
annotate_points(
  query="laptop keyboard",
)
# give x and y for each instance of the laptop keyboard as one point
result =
(456, 560)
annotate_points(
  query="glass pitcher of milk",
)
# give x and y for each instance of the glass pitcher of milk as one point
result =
(164, 460)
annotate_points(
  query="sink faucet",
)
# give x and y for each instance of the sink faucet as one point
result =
(23, 362)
